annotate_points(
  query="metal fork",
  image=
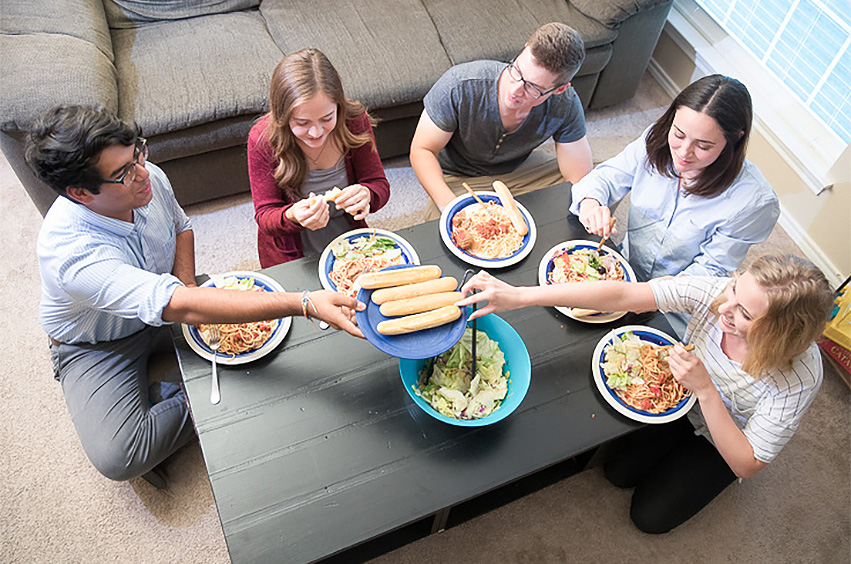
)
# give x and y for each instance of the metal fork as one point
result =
(214, 341)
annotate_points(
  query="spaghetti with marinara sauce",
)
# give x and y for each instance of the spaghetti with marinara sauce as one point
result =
(639, 374)
(576, 264)
(485, 231)
(238, 338)
(359, 256)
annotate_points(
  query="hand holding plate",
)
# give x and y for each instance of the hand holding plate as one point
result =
(334, 308)
(499, 295)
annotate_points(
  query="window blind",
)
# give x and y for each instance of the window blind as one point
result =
(805, 43)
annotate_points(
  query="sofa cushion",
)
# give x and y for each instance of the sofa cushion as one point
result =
(127, 14)
(473, 29)
(387, 53)
(42, 70)
(195, 71)
(82, 19)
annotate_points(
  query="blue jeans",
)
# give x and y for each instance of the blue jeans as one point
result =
(106, 391)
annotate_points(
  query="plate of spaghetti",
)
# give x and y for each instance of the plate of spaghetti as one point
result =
(358, 252)
(484, 235)
(631, 372)
(241, 342)
(579, 260)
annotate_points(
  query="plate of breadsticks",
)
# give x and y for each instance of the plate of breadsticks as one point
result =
(410, 310)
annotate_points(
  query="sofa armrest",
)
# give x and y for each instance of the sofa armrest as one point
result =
(612, 13)
(49, 69)
(631, 50)
(54, 52)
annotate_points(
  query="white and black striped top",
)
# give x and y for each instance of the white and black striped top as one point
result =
(769, 409)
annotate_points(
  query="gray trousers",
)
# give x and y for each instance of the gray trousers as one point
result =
(106, 390)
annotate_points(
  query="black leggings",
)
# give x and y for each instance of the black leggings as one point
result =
(675, 474)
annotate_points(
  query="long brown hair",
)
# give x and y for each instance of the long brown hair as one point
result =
(298, 78)
(799, 301)
(728, 102)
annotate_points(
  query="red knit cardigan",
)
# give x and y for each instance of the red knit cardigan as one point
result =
(279, 239)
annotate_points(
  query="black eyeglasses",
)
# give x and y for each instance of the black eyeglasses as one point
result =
(140, 153)
(530, 88)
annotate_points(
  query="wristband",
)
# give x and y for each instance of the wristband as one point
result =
(305, 302)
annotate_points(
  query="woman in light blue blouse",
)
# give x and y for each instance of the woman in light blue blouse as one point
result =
(697, 204)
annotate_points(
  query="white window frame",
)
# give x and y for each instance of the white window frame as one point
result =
(812, 150)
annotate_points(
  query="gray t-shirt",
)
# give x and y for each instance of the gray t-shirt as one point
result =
(320, 181)
(465, 101)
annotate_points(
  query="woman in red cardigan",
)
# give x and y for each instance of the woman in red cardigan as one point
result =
(313, 140)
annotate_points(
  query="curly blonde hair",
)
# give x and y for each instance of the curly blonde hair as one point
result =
(799, 301)
(298, 78)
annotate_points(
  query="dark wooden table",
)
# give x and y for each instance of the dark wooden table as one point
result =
(317, 447)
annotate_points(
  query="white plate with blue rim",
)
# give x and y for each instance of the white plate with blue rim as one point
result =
(466, 200)
(649, 335)
(196, 341)
(354, 237)
(547, 265)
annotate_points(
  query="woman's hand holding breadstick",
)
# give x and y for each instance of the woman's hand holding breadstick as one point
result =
(355, 200)
(311, 212)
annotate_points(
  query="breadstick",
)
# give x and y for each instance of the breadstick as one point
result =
(445, 284)
(419, 304)
(419, 321)
(398, 277)
(332, 194)
(507, 200)
(580, 312)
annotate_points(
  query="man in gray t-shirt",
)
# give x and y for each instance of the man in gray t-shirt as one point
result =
(483, 119)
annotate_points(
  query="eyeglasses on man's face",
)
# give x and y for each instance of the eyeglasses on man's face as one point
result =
(140, 153)
(528, 87)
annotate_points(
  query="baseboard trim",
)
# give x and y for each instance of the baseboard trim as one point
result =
(810, 249)
(663, 78)
(792, 228)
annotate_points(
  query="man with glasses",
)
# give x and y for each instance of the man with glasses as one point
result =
(116, 256)
(483, 119)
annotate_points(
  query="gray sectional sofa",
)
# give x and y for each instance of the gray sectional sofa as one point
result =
(194, 74)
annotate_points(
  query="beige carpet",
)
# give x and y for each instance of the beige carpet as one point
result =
(54, 507)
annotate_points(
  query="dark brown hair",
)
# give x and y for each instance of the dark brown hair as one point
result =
(298, 78)
(728, 102)
(64, 144)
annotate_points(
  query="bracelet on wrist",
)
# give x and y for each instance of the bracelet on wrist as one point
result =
(306, 304)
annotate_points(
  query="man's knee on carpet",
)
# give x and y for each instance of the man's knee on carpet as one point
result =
(136, 447)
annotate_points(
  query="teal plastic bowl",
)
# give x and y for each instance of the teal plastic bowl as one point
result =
(517, 363)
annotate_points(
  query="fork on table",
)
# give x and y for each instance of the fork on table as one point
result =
(214, 341)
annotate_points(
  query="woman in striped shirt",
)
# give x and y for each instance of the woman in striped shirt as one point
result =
(755, 371)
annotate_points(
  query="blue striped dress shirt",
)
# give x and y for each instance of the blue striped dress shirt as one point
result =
(104, 279)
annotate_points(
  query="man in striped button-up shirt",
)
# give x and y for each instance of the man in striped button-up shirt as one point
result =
(116, 255)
